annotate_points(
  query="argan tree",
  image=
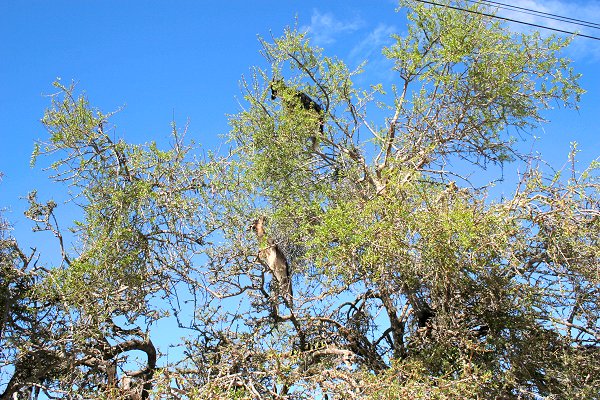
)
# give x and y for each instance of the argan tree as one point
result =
(344, 247)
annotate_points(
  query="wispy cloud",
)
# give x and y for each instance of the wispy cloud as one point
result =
(326, 28)
(369, 50)
(373, 42)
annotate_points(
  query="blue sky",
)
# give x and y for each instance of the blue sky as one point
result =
(156, 58)
(159, 58)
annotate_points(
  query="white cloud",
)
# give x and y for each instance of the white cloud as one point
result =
(369, 50)
(325, 28)
(373, 42)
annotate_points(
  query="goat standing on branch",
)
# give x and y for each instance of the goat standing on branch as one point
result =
(296, 99)
(276, 261)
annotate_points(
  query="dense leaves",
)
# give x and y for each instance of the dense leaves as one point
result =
(408, 281)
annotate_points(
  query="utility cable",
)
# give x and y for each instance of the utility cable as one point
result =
(508, 19)
(537, 13)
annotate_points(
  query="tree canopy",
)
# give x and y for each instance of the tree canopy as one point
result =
(376, 266)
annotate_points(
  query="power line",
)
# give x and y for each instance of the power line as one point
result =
(508, 19)
(538, 13)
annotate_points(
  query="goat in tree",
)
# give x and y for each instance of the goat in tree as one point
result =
(275, 259)
(298, 99)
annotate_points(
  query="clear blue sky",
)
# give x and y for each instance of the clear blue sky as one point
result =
(187, 57)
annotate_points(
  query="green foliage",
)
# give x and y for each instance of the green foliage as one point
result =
(407, 281)
(477, 79)
(380, 223)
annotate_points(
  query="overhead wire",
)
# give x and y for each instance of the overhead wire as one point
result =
(508, 19)
(537, 13)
